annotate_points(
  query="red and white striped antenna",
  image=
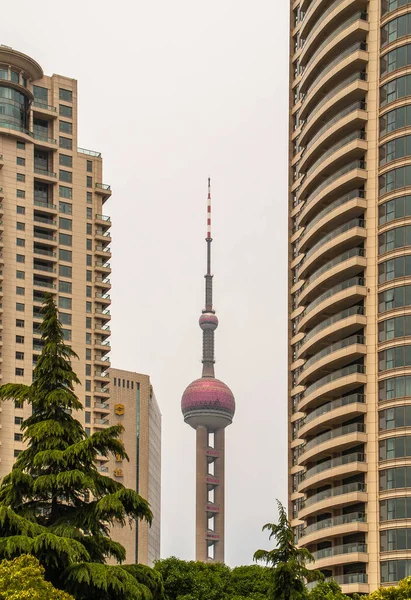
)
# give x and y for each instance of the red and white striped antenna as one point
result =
(209, 211)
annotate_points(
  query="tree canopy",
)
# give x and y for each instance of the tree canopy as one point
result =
(23, 579)
(196, 580)
(55, 504)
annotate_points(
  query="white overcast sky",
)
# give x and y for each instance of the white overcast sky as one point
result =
(171, 92)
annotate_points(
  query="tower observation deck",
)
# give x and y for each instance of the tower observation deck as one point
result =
(208, 406)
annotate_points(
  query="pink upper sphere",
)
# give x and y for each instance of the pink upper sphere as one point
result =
(208, 393)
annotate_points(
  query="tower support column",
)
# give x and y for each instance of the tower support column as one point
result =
(201, 492)
(219, 445)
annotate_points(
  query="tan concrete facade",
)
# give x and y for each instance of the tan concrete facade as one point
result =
(350, 288)
(134, 405)
(54, 238)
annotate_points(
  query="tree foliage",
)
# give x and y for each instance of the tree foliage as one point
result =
(287, 562)
(399, 592)
(327, 590)
(23, 579)
(212, 581)
(55, 505)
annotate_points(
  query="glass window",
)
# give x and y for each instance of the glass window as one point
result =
(66, 143)
(41, 93)
(20, 258)
(65, 255)
(20, 177)
(66, 127)
(65, 271)
(20, 210)
(65, 286)
(21, 161)
(67, 335)
(89, 244)
(90, 166)
(65, 111)
(19, 307)
(65, 223)
(20, 291)
(65, 318)
(89, 213)
(89, 197)
(89, 181)
(65, 239)
(65, 192)
(20, 226)
(20, 193)
(65, 207)
(65, 160)
(20, 275)
(65, 302)
(66, 95)
(65, 176)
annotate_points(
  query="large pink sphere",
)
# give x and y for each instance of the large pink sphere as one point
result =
(208, 401)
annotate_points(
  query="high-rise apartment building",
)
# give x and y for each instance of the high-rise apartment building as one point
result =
(54, 238)
(350, 288)
(134, 406)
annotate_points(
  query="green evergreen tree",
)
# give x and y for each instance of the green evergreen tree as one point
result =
(55, 505)
(288, 563)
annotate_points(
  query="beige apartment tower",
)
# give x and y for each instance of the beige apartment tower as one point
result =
(350, 288)
(134, 406)
(54, 238)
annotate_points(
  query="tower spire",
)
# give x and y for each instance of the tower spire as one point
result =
(208, 320)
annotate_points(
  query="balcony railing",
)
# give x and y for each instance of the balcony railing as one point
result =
(353, 281)
(353, 252)
(103, 218)
(103, 186)
(44, 252)
(44, 172)
(326, 465)
(343, 549)
(44, 204)
(340, 490)
(337, 231)
(356, 517)
(43, 138)
(328, 68)
(329, 406)
(344, 314)
(360, 76)
(345, 372)
(352, 166)
(43, 106)
(334, 433)
(89, 152)
(344, 343)
(349, 579)
(356, 135)
(45, 284)
(44, 268)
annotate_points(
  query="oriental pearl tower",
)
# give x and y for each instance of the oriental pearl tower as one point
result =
(208, 406)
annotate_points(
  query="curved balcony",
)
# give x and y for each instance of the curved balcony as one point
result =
(345, 265)
(332, 412)
(320, 25)
(342, 495)
(333, 385)
(333, 328)
(350, 205)
(340, 555)
(335, 355)
(346, 143)
(334, 527)
(321, 104)
(333, 469)
(350, 583)
(336, 298)
(339, 68)
(353, 29)
(347, 235)
(345, 121)
(335, 440)
(351, 176)
(331, 93)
